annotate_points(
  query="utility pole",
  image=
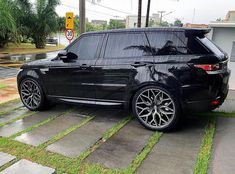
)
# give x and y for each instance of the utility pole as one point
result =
(161, 15)
(139, 13)
(82, 15)
(147, 15)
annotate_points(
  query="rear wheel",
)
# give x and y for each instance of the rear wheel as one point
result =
(156, 108)
(31, 94)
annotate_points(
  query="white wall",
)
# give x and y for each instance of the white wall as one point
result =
(224, 38)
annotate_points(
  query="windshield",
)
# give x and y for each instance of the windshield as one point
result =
(211, 46)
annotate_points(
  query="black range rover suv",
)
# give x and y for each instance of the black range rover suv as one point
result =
(159, 72)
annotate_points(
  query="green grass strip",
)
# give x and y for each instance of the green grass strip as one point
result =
(10, 110)
(206, 147)
(2, 85)
(40, 124)
(109, 133)
(64, 133)
(18, 118)
(143, 154)
(4, 103)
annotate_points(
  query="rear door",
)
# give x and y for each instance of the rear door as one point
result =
(114, 69)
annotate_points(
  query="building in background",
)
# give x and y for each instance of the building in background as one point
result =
(99, 22)
(131, 20)
(189, 25)
(223, 34)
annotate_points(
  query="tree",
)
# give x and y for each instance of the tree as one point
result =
(8, 29)
(178, 23)
(115, 24)
(44, 21)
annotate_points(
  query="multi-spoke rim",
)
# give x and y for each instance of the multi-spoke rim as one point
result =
(155, 108)
(30, 94)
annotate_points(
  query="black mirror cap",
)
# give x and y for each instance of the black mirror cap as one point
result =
(63, 54)
(72, 55)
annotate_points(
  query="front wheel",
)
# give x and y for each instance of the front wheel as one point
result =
(31, 94)
(156, 108)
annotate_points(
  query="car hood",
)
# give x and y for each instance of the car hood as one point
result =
(43, 63)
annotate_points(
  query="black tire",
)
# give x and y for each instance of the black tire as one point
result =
(163, 108)
(39, 104)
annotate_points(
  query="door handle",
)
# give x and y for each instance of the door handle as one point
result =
(137, 64)
(84, 66)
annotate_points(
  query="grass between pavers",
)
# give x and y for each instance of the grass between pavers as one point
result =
(9, 164)
(40, 123)
(4, 103)
(206, 147)
(18, 118)
(2, 85)
(61, 163)
(9, 110)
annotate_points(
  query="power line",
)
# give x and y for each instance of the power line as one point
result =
(91, 11)
(90, 1)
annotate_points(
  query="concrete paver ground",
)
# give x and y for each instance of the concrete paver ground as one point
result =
(10, 105)
(176, 152)
(5, 158)
(120, 149)
(27, 167)
(14, 114)
(223, 155)
(26, 122)
(73, 144)
(229, 103)
(43, 133)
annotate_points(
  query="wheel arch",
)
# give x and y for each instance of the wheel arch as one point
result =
(174, 92)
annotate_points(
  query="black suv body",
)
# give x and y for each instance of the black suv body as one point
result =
(159, 72)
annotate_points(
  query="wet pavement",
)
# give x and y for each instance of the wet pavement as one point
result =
(5, 158)
(176, 152)
(44, 133)
(6, 72)
(223, 155)
(121, 149)
(84, 137)
(27, 167)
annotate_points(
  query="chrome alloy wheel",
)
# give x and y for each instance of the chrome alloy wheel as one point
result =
(155, 108)
(30, 94)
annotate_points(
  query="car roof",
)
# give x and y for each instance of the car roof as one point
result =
(170, 29)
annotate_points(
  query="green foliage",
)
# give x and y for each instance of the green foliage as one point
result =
(178, 23)
(115, 24)
(8, 29)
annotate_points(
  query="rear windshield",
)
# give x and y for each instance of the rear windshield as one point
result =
(211, 46)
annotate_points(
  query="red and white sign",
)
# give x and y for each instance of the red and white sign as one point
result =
(69, 33)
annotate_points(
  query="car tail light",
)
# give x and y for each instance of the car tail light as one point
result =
(215, 102)
(208, 67)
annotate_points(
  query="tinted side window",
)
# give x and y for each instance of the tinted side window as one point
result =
(168, 43)
(125, 45)
(86, 47)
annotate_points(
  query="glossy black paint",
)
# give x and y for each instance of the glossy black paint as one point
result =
(109, 79)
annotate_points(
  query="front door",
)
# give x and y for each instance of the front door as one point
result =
(73, 79)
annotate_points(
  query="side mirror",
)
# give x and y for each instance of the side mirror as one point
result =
(64, 55)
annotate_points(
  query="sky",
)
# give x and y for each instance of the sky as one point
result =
(188, 11)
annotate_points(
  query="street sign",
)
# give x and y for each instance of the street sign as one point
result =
(69, 20)
(69, 34)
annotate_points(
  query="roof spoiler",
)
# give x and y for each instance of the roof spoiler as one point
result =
(197, 32)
